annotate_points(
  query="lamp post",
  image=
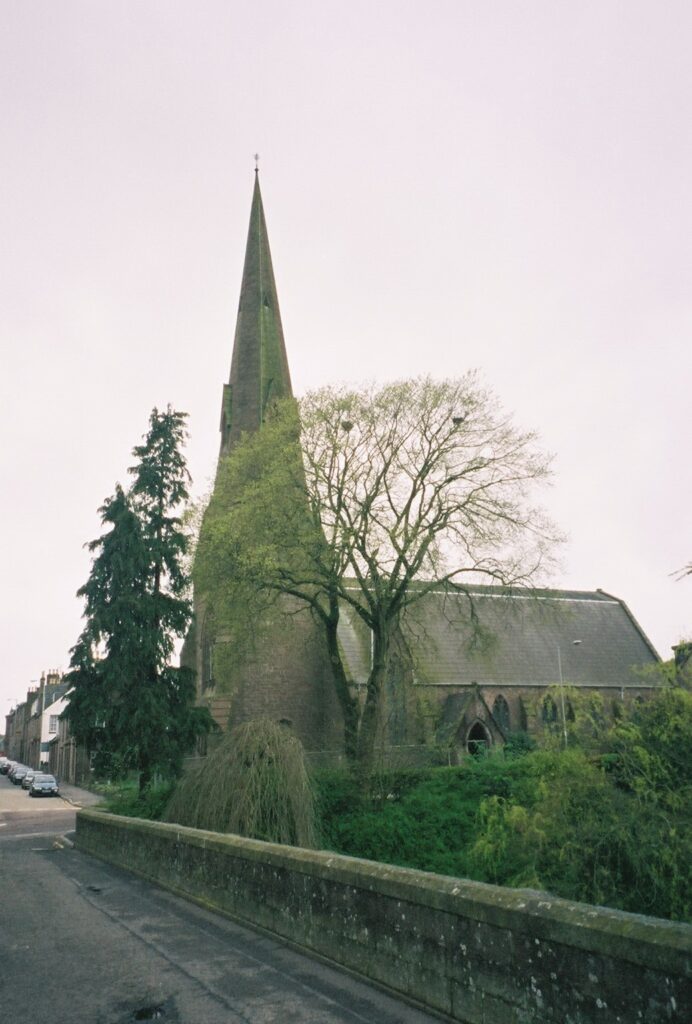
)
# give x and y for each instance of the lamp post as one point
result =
(575, 643)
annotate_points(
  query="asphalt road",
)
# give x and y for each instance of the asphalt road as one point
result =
(21, 814)
(82, 942)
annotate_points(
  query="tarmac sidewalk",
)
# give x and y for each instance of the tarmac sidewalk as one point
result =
(79, 797)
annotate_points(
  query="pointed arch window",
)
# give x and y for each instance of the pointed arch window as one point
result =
(549, 711)
(501, 712)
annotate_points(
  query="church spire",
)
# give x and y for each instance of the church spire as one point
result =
(259, 367)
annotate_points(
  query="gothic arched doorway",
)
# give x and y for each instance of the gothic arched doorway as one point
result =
(478, 739)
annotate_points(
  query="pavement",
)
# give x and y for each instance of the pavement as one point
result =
(79, 797)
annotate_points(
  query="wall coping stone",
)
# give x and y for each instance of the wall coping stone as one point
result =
(647, 941)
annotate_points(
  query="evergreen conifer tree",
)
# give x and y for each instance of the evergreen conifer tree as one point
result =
(129, 706)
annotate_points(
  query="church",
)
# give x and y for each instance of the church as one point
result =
(442, 693)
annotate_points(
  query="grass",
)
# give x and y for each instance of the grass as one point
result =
(124, 798)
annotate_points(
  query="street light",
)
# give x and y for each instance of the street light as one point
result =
(575, 643)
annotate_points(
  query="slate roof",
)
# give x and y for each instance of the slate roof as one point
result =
(526, 630)
(259, 365)
(54, 693)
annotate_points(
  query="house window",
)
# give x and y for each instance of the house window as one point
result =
(53, 723)
(501, 713)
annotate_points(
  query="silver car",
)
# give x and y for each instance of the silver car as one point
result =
(29, 778)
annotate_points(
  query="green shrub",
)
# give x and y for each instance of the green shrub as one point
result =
(255, 783)
(581, 837)
(611, 826)
(518, 744)
(424, 818)
(126, 799)
(551, 819)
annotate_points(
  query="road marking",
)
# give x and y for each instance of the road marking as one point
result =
(28, 835)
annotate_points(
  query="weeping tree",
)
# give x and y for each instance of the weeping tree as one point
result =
(128, 705)
(254, 783)
(369, 499)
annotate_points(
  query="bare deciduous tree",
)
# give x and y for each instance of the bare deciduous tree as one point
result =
(393, 491)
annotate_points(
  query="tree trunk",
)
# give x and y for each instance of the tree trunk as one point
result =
(348, 703)
(371, 712)
(144, 777)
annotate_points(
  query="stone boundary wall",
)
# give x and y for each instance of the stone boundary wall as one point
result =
(471, 952)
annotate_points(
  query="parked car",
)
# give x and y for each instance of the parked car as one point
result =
(5, 766)
(19, 773)
(29, 778)
(44, 785)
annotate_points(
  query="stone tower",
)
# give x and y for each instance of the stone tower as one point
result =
(283, 671)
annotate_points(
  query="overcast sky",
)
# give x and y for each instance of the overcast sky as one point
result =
(498, 184)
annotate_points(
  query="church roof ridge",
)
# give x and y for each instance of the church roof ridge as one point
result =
(500, 590)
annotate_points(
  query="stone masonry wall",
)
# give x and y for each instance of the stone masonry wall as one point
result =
(474, 953)
(281, 672)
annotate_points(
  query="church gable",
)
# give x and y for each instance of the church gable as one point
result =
(467, 724)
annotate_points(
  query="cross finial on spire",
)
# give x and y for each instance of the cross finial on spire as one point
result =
(256, 163)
